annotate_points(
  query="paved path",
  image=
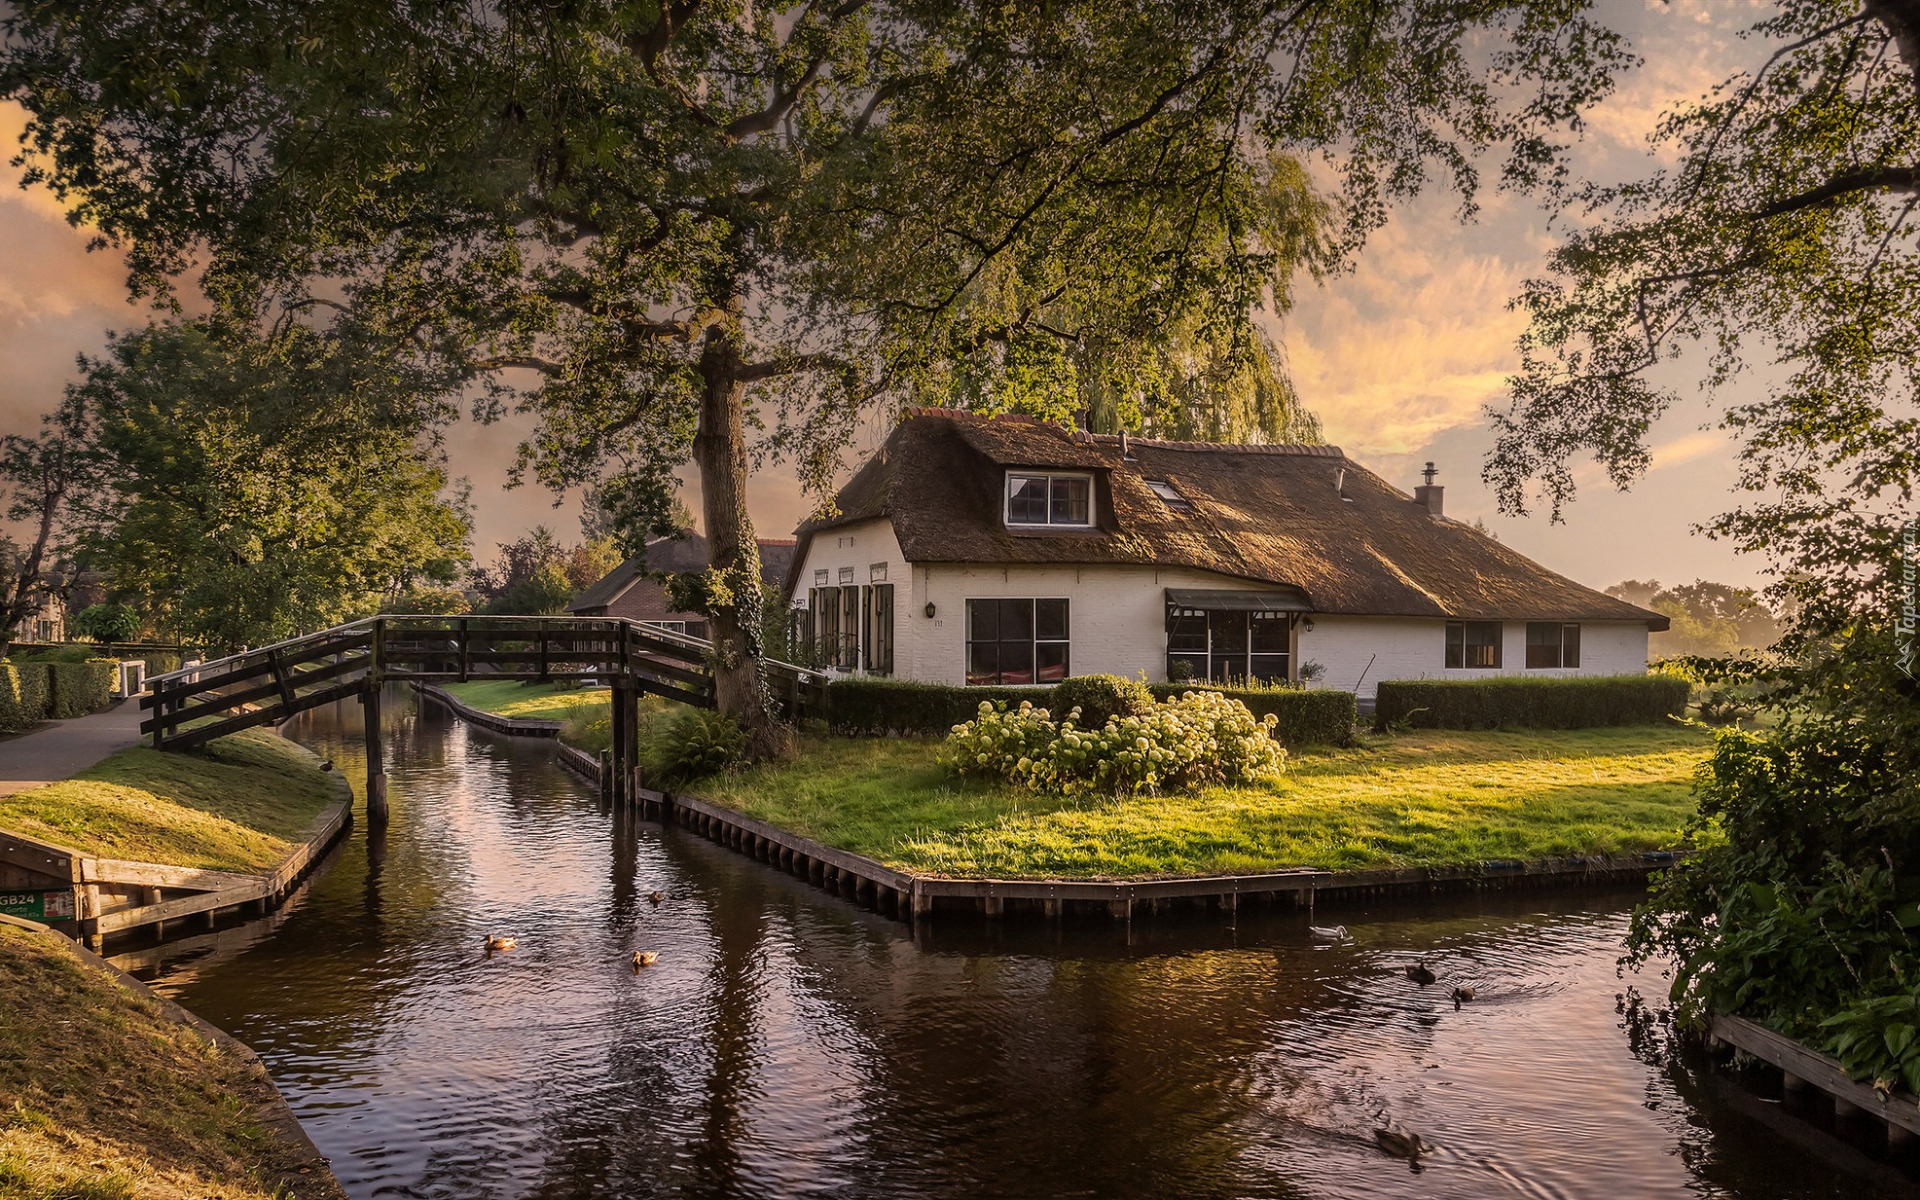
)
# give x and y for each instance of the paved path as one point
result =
(60, 749)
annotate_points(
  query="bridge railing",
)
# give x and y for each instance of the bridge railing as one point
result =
(265, 686)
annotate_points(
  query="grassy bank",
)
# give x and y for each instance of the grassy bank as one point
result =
(539, 702)
(1425, 799)
(239, 805)
(102, 1096)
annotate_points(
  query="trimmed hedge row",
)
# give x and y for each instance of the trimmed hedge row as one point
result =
(1308, 716)
(876, 707)
(34, 691)
(1516, 703)
(76, 689)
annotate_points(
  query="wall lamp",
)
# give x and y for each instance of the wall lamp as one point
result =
(1306, 623)
(929, 608)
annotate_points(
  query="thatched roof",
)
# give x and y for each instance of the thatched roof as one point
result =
(1266, 514)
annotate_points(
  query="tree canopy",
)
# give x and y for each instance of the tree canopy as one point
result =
(659, 227)
(259, 489)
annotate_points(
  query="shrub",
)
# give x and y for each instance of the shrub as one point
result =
(76, 689)
(1199, 739)
(107, 623)
(689, 744)
(1318, 717)
(1517, 703)
(1100, 698)
(870, 706)
(23, 695)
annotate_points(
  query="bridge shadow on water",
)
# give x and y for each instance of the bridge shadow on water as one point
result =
(788, 1043)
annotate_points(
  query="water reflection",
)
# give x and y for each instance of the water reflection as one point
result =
(789, 1044)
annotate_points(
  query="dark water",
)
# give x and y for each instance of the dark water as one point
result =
(788, 1044)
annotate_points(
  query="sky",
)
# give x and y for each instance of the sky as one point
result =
(1399, 357)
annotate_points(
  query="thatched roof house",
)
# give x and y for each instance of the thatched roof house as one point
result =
(976, 549)
(633, 589)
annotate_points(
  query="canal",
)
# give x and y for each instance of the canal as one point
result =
(789, 1044)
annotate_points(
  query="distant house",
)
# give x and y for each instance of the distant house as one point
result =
(976, 550)
(628, 592)
(47, 623)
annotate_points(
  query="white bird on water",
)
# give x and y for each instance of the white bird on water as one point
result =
(1337, 933)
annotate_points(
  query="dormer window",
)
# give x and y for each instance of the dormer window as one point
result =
(1049, 501)
(1171, 495)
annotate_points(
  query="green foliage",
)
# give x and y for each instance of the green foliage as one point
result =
(1198, 740)
(1318, 716)
(1707, 619)
(865, 704)
(1100, 698)
(684, 745)
(76, 689)
(264, 486)
(536, 575)
(23, 695)
(1512, 702)
(107, 623)
(1802, 909)
(429, 601)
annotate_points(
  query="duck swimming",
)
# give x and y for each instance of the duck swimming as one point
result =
(1399, 1142)
(1419, 973)
(645, 958)
(1460, 996)
(495, 942)
(1335, 933)
(654, 898)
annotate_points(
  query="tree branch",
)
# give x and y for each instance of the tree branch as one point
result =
(1897, 179)
(774, 368)
(502, 362)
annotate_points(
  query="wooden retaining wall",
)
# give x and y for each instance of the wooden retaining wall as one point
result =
(111, 895)
(1803, 1067)
(511, 726)
(909, 896)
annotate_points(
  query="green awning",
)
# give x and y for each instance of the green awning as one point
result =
(1289, 600)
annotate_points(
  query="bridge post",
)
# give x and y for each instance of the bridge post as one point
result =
(619, 718)
(376, 762)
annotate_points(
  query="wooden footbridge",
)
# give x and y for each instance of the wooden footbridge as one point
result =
(266, 686)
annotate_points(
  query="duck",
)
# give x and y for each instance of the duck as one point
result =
(1460, 996)
(1400, 1143)
(645, 958)
(326, 764)
(1336, 933)
(654, 898)
(1420, 974)
(495, 942)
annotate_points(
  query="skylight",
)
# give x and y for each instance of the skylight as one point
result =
(1170, 494)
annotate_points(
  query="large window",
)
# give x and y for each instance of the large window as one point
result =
(1228, 645)
(1016, 641)
(1552, 644)
(879, 629)
(1473, 644)
(1049, 499)
(823, 613)
(846, 653)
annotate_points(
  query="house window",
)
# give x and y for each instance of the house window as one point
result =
(1016, 641)
(824, 606)
(1552, 644)
(1228, 645)
(690, 628)
(1473, 644)
(879, 639)
(820, 577)
(877, 572)
(846, 653)
(846, 575)
(1170, 495)
(1049, 499)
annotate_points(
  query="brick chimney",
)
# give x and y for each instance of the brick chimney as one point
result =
(1430, 493)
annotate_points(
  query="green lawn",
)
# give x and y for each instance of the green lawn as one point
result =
(241, 804)
(1433, 798)
(540, 702)
(103, 1097)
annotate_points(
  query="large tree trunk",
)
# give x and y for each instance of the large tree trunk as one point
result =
(720, 452)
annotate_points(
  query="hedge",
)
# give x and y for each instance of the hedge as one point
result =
(876, 707)
(76, 689)
(872, 706)
(1322, 716)
(23, 695)
(1518, 703)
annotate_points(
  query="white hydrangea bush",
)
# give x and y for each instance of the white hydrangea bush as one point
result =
(1197, 739)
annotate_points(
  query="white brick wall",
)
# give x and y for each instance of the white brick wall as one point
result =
(1118, 619)
(1358, 652)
